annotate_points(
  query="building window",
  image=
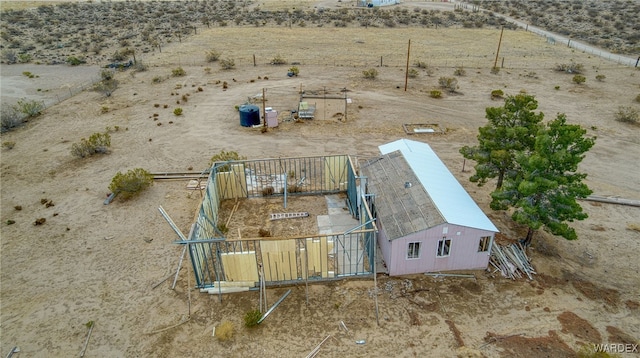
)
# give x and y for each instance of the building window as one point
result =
(484, 244)
(444, 247)
(414, 250)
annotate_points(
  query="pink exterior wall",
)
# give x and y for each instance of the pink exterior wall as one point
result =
(463, 255)
(384, 244)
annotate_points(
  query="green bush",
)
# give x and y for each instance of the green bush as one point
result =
(579, 79)
(178, 72)
(495, 70)
(435, 94)
(294, 70)
(498, 93)
(97, 143)
(600, 78)
(31, 108)
(448, 83)
(75, 61)
(638, 98)
(460, 71)
(131, 183)
(413, 73)
(627, 115)
(24, 58)
(157, 79)
(177, 111)
(252, 317)
(370, 74)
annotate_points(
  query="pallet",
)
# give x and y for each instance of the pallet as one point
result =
(280, 216)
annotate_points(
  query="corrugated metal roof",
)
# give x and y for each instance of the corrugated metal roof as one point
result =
(449, 197)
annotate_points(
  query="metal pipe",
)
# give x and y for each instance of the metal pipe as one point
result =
(274, 306)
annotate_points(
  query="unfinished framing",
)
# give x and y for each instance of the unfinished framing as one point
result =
(219, 263)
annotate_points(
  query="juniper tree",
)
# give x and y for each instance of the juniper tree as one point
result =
(547, 182)
(512, 128)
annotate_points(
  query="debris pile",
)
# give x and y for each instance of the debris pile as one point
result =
(511, 260)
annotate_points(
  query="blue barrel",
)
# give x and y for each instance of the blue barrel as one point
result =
(249, 115)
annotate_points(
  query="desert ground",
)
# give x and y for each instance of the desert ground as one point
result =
(102, 263)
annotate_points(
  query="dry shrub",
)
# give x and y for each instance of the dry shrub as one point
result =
(225, 331)
(264, 233)
(268, 191)
(633, 227)
(627, 115)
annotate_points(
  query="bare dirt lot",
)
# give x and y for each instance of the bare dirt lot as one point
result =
(95, 262)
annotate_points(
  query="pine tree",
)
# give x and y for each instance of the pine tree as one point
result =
(511, 129)
(547, 182)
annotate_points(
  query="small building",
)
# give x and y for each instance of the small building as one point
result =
(427, 222)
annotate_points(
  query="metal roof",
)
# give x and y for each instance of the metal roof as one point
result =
(449, 198)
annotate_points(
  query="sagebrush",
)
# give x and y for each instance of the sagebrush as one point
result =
(627, 115)
(448, 83)
(98, 143)
(370, 74)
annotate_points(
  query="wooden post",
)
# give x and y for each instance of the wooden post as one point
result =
(406, 72)
(264, 108)
(254, 60)
(495, 63)
(345, 105)
(380, 61)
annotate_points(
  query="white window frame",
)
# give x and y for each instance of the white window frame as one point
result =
(444, 244)
(487, 243)
(415, 253)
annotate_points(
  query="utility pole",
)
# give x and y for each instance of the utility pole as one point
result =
(406, 72)
(495, 63)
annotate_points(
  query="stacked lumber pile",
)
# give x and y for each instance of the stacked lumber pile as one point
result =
(511, 260)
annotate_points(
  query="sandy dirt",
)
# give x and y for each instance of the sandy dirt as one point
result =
(95, 262)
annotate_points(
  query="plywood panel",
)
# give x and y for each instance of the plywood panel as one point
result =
(232, 184)
(335, 169)
(240, 266)
(318, 256)
(279, 260)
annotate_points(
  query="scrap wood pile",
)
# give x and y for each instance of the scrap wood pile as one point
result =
(511, 260)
